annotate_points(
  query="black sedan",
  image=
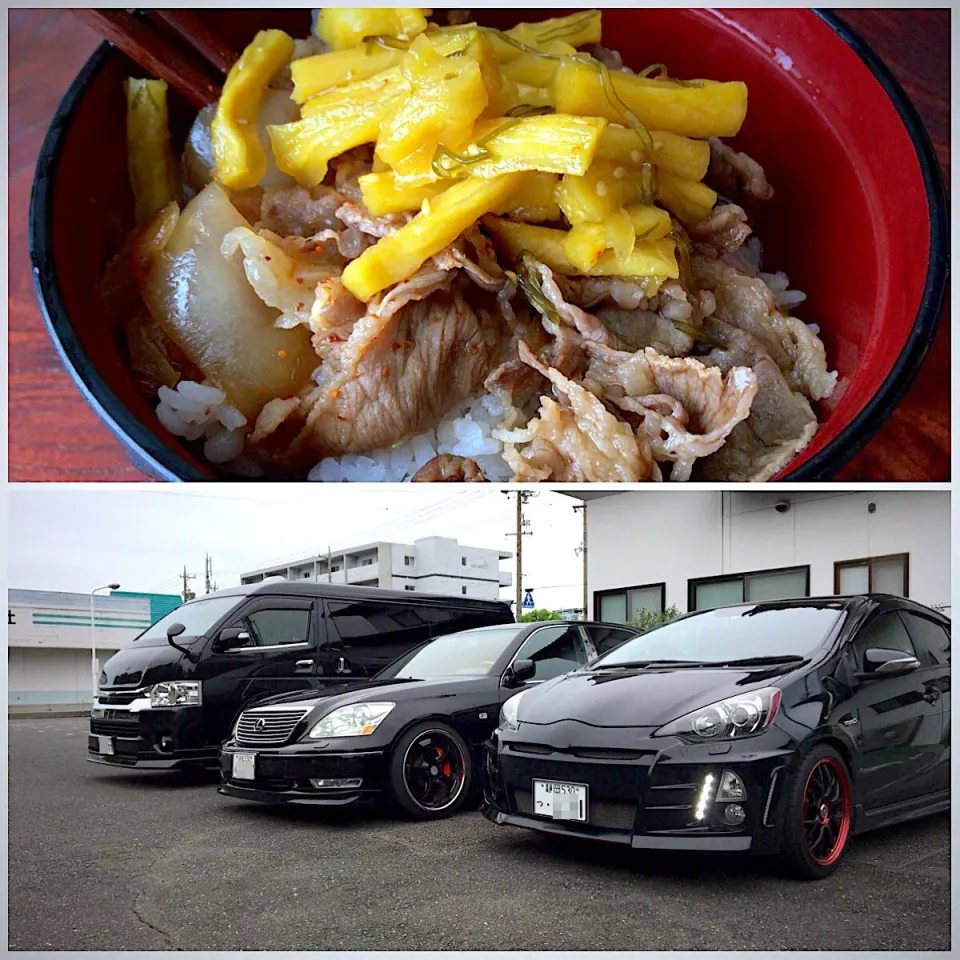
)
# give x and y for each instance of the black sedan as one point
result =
(414, 733)
(775, 728)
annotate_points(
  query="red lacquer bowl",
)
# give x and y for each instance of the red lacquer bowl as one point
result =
(859, 220)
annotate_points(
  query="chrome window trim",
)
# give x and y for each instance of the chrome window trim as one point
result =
(274, 646)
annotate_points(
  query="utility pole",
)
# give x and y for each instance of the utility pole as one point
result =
(582, 549)
(208, 574)
(187, 593)
(522, 497)
(329, 561)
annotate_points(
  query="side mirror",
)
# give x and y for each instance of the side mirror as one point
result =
(174, 630)
(521, 671)
(231, 638)
(879, 663)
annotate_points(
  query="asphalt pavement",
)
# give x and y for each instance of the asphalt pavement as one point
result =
(103, 859)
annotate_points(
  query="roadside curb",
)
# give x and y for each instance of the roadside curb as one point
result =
(39, 713)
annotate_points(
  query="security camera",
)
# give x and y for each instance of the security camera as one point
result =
(782, 506)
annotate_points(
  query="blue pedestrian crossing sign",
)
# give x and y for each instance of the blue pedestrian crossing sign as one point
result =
(528, 600)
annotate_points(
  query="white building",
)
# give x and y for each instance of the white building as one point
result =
(692, 549)
(429, 565)
(49, 639)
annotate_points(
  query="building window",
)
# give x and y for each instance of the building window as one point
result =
(408, 561)
(786, 583)
(407, 586)
(336, 568)
(888, 574)
(463, 590)
(366, 563)
(463, 561)
(621, 606)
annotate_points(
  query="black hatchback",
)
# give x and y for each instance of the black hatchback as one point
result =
(783, 727)
(413, 733)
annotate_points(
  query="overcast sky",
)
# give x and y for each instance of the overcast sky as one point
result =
(74, 538)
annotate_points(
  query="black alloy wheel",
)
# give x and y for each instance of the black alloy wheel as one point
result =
(430, 771)
(818, 815)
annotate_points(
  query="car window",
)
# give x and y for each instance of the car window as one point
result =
(886, 632)
(931, 639)
(277, 627)
(371, 635)
(606, 638)
(555, 651)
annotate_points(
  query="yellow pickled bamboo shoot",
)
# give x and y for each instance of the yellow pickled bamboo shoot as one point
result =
(446, 97)
(680, 155)
(648, 259)
(690, 202)
(332, 123)
(151, 165)
(238, 154)
(649, 223)
(343, 27)
(709, 110)
(586, 243)
(399, 255)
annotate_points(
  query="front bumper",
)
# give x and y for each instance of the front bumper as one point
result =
(644, 795)
(134, 735)
(282, 775)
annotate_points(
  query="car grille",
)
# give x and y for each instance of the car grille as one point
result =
(107, 697)
(276, 728)
(600, 813)
(116, 728)
(671, 797)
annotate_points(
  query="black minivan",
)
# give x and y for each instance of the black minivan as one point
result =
(170, 699)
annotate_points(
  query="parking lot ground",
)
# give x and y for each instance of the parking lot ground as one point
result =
(104, 859)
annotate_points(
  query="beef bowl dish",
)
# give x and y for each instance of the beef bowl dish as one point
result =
(401, 245)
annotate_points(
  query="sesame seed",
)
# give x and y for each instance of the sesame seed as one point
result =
(601, 189)
(619, 172)
(636, 156)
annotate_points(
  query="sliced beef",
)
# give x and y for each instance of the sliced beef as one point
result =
(735, 175)
(447, 468)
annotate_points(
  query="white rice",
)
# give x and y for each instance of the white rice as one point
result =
(466, 431)
(196, 410)
(747, 260)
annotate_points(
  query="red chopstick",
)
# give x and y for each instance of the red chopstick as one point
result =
(164, 57)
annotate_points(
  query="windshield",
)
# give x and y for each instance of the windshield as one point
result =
(468, 654)
(198, 617)
(732, 633)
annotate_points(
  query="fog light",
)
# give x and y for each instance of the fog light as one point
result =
(337, 784)
(703, 801)
(166, 744)
(734, 814)
(731, 787)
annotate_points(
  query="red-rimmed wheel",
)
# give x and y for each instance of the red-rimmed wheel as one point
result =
(818, 815)
(431, 771)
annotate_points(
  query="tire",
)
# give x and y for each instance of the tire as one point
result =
(421, 788)
(818, 817)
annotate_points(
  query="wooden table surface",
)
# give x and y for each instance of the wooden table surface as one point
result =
(54, 435)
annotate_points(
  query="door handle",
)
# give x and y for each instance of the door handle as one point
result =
(303, 666)
(931, 694)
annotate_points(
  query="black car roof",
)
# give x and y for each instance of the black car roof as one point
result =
(298, 588)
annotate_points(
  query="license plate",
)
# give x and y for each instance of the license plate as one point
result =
(105, 745)
(243, 766)
(561, 801)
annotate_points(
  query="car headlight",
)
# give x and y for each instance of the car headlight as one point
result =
(175, 693)
(508, 712)
(353, 720)
(744, 715)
